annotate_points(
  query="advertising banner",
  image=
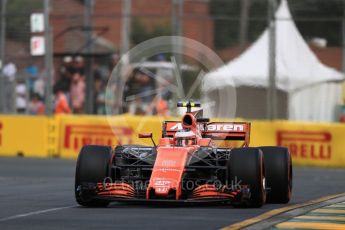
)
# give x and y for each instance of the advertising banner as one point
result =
(314, 144)
(23, 136)
(309, 143)
(77, 131)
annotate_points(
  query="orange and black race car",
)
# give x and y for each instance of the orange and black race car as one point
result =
(186, 166)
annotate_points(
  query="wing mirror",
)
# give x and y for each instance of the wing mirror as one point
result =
(147, 135)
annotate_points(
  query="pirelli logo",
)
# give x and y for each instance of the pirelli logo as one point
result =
(307, 144)
(0, 133)
(77, 136)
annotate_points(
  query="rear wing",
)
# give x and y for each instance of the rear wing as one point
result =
(229, 131)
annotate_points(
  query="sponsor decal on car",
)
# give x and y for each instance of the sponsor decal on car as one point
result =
(174, 126)
(162, 183)
(164, 170)
(217, 127)
(226, 127)
(168, 163)
(77, 136)
(307, 144)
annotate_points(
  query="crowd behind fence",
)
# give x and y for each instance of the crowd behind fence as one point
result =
(228, 27)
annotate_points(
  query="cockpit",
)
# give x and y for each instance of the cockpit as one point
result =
(185, 137)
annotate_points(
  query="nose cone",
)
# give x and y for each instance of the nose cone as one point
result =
(167, 172)
(163, 186)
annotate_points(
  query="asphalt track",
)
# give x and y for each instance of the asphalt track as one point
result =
(38, 194)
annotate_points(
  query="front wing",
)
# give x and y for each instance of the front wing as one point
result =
(124, 193)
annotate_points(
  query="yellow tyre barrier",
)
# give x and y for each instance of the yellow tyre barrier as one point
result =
(313, 144)
(23, 135)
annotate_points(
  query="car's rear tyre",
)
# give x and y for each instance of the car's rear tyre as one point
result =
(246, 165)
(278, 171)
(92, 167)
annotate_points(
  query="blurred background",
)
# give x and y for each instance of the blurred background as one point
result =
(57, 55)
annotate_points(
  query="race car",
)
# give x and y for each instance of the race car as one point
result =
(186, 166)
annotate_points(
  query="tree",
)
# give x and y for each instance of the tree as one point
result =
(328, 15)
(227, 19)
(312, 17)
(18, 18)
(140, 33)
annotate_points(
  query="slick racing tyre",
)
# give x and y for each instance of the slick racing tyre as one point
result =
(92, 167)
(278, 171)
(246, 166)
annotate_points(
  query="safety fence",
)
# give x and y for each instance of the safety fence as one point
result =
(314, 144)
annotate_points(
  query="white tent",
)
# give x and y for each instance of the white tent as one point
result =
(313, 89)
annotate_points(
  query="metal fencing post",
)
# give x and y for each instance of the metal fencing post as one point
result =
(126, 12)
(2, 52)
(272, 91)
(243, 34)
(48, 59)
(177, 7)
(343, 40)
(88, 24)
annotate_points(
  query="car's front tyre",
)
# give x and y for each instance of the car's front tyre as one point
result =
(246, 166)
(92, 167)
(278, 170)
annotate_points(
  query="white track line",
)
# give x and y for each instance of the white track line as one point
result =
(34, 213)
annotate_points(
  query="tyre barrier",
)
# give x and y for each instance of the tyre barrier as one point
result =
(310, 144)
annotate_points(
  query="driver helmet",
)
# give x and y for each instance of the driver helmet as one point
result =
(185, 137)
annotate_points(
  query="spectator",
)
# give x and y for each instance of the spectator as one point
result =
(104, 100)
(9, 73)
(131, 101)
(77, 93)
(61, 102)
(146, 87)
(32, 73)
(36, 106)
(101, 72)
(21, 93)
(139, 92)
(164, 90)
(98, 88)
(31, 70)
(115, 58)
(160, 105)
(39, 86)
(79, 65)
(66, 72)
